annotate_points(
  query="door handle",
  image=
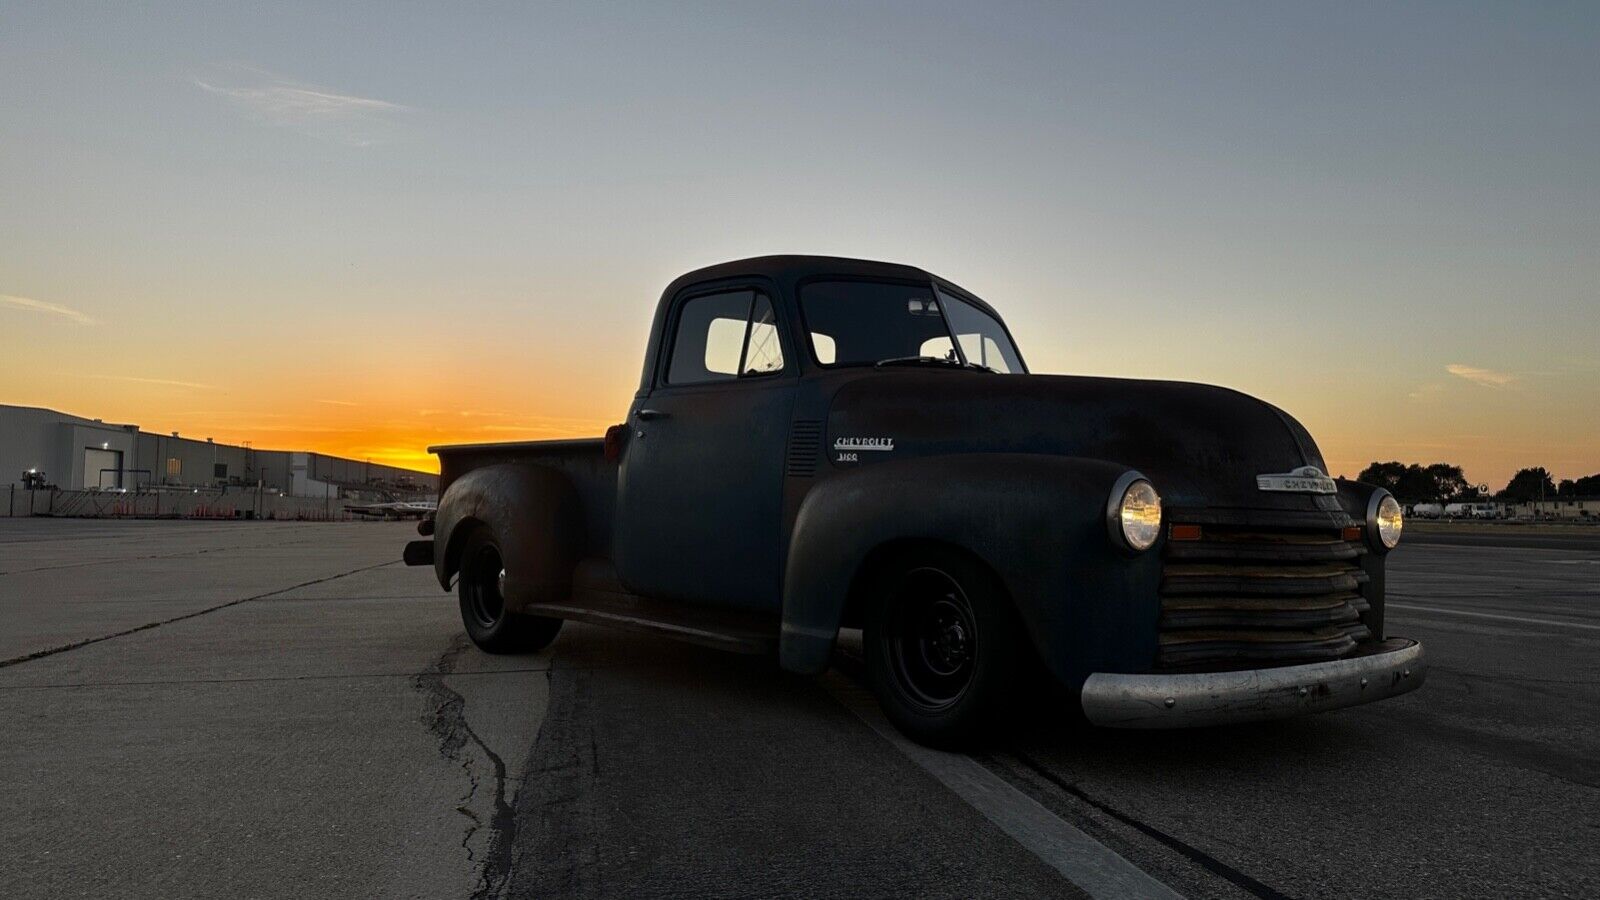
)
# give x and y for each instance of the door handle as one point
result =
(650, 414)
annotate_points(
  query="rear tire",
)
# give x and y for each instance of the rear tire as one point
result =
(943, 647)
(483, 608)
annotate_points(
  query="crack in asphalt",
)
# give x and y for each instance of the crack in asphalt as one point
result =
(63, 648)
(1194, 854)
(448, 722)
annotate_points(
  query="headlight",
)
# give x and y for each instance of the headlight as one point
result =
(1385, 520)
(1134, 515)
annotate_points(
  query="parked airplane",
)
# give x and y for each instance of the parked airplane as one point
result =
(416, 509)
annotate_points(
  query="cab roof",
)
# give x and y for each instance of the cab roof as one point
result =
(792, 268)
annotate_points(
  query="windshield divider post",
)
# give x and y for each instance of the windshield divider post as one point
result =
(955, 342)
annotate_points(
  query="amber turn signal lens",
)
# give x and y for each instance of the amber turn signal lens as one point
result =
(1352, 533)
(1184, 533)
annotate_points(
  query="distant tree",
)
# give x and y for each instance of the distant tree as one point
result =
(1529, 484)
(1448, 482)
(1587, 486)
(1417, 484)
(1386, 475)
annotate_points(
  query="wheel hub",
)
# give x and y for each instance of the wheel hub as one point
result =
(949, 646)
(932, 641)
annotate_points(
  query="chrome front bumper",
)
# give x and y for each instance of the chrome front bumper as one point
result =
(1221, 698)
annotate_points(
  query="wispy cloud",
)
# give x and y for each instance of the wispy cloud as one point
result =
(338, 402)
(319, 111)
(1485, 377)
(162, 381)
(29, 304)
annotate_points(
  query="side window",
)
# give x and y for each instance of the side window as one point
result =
(722, 335)
(763, 354)
(710, 338)
(826, 348)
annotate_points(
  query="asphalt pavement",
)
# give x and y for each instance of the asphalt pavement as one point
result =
(195, 709)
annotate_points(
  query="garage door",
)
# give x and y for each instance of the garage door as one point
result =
(102, 468)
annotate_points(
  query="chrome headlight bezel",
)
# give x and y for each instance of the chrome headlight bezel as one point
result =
(1382, 506)
(1133, 534)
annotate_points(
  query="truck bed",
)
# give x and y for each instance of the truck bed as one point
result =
(583, 460)
(597, 596)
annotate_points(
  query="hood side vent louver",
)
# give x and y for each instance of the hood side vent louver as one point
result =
(805, 447)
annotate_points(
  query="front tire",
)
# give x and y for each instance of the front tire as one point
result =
(942, 647)
(483, 607)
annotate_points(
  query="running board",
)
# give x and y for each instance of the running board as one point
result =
(597, 598)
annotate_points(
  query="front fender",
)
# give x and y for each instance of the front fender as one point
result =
(1038, 521)
(536, 518)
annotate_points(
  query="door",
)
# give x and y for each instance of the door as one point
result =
(699, 491)
(102, 468)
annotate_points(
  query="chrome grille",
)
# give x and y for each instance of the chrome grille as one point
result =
(1241, 597)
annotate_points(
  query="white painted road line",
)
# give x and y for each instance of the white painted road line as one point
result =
(1081, 859)
(1481, 615)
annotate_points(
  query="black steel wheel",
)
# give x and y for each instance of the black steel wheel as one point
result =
(480, 590)
(931, 640)
(941, 646)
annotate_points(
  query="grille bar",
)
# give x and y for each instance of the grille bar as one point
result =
(1251, 612)
(1261, 550)
(1213, 578)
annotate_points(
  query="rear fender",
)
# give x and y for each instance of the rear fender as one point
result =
(1038, 521)
(536, 518)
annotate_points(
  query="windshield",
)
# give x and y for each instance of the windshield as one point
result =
(983, 339)
(856, 323)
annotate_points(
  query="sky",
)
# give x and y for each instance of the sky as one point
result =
(367, 230)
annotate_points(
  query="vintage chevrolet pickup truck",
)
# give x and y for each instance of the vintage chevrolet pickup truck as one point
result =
(822, 443)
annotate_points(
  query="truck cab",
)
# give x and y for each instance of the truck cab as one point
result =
(819, 443)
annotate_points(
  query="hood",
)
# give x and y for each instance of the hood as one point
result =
(1201, 446)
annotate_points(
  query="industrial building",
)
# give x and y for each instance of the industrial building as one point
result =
(41, 447)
